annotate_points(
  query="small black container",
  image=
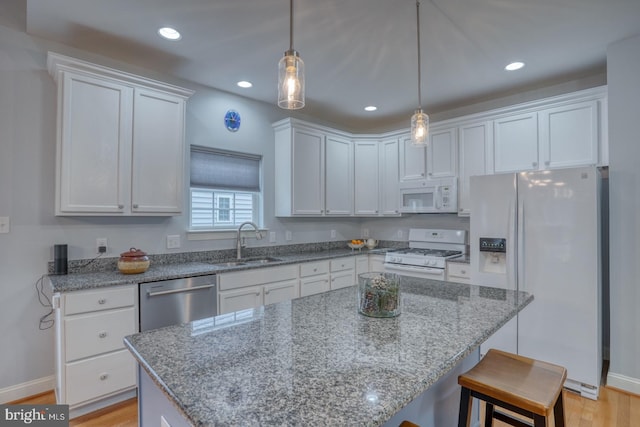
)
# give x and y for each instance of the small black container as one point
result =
(60, 259)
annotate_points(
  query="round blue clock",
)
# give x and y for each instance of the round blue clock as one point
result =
(232, 120)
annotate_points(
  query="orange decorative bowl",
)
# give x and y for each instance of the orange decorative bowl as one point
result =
(134, 261)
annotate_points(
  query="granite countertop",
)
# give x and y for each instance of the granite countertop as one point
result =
(91, 280)
(316, 360)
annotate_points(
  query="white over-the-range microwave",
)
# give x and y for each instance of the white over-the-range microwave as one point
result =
(429, 196)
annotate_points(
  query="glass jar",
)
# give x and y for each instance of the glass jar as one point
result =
(133, 261)
(379, 294)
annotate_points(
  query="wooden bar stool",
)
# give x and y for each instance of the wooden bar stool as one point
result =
(519, 384)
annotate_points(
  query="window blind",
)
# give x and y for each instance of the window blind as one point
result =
(224, 170)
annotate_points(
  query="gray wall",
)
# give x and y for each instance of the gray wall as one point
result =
(623, 65)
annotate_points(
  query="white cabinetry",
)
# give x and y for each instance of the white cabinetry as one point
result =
(413, 160)
(442, 153)
(516, 143)
(313, 171)
(120, 141)
(362, 265)
(475, 158)
(376, 263)
(458, 272)
(376, 177)
(242, 290)
(93, 368)
(569, 135)
(314, 277)
(343, 272)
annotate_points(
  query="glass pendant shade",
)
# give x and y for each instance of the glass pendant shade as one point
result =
(419, 128)
(291, 81)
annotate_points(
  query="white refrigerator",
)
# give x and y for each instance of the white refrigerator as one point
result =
(539, 232)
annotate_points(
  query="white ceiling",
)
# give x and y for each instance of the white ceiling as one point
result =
(356, 52)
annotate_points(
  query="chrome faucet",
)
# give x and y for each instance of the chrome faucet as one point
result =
(240, 240)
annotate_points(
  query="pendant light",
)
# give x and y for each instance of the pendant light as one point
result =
(419, 120)
(291, 74)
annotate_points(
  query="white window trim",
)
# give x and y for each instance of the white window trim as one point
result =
(222, 234)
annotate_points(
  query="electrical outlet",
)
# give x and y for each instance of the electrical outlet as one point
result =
(365, 232)
(101, 245)
(173, 241)
(4, 224)
(272, 237)
(333, 234)
(287, 235)
(399, 234)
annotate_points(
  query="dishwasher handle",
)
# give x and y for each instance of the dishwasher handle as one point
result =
(179, 291)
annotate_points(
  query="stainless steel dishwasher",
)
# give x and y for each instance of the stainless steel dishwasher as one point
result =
(170, 302)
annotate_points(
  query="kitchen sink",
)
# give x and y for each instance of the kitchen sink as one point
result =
(266, 260)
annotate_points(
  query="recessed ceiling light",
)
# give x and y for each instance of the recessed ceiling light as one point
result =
(244, 83)
(514, 66)
(169, 33)
(370, 108)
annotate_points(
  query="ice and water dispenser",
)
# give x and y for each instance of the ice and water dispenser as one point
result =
(493, 255)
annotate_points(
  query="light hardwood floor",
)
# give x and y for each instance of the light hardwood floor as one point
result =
(613, 409)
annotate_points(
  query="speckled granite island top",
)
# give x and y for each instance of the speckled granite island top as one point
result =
(316, 360)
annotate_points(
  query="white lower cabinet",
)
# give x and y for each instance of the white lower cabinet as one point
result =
(362, 265)
(343, 272)
(242, 290)
(376, 263)
(458, 272)
(93, 368)
(314, 277)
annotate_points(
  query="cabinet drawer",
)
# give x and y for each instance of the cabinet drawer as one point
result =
(458, 270)
(101, 375)
(100, 299)
(348, 263)
(258, 276)
(342, 280)
(313, 268)
(95, 333)
(314, 285)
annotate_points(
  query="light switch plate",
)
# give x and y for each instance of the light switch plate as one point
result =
(365, 232)
(173, 241)
(333, 234)
(287, 235)
(272, 237)
(5, 225)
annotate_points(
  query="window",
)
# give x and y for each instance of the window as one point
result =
(225, 189)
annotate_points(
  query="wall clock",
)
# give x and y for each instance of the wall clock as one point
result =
(232, 120)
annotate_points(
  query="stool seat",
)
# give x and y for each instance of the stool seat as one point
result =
(527, 386)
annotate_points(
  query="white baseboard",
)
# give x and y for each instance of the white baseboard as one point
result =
(622, 382)
(20, 391)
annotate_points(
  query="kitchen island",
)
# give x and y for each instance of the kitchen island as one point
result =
(316, 360)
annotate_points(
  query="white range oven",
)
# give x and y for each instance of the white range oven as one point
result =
(427, 253)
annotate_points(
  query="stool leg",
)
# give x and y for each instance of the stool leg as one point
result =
(488, 414)
(558, 411)
(464, 416)
(539, 421)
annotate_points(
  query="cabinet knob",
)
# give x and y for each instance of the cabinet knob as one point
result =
(102, 335)
(135, 206)
(463, 271)
(534, 164)
(266, 292)
(102, 301)
(315, 269)
(547, 162)
(430, 173)
(257, 293)
(422, 174)
(120, 206)
(103, 377)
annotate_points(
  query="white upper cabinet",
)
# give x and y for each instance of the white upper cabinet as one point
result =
(338, 176)
(413, 160)
(569, 135)
(120, 141)
(475, 158)
(367, 177)
(389, 177)
(313, 171)
(442, 153)
(515, 143)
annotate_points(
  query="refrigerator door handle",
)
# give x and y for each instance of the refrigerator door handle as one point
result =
(512, 254)
(520, 282)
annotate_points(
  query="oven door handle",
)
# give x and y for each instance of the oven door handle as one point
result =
(401, 268)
